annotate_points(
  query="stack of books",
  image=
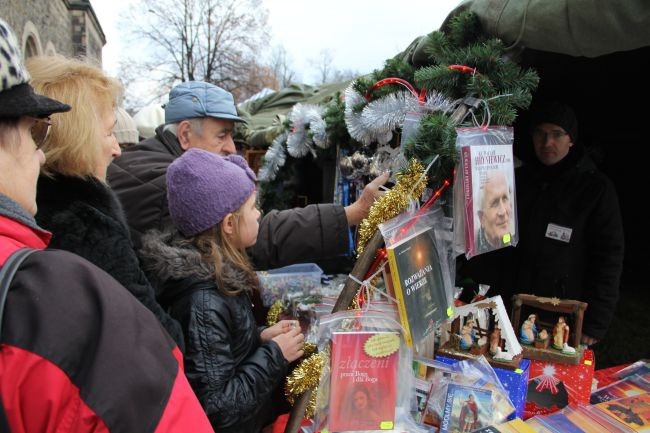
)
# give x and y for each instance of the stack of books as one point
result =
(622, 406)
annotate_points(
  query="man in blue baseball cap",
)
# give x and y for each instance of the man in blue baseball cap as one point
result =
(202, 115)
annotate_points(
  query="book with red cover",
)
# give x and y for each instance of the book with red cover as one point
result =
(363, 381)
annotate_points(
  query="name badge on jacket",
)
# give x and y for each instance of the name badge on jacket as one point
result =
(558, 233)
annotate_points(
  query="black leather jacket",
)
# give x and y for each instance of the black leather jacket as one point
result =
(233, 373)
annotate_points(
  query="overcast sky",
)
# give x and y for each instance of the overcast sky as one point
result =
(359, 34)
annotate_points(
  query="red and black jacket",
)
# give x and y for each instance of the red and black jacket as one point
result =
(78, 353)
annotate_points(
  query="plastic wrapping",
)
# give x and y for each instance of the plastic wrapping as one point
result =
(420, 257)
(641, 366)
(470, 385)
(366, 380)
(485, 213)
(289, 282)
(625, 414)
(577, 418)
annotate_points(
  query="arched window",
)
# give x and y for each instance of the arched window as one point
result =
(30, 47)
(31, 40)
(49, 49)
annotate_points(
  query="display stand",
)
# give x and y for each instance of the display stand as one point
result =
(492, 335)
(560, 307)
(351, 287)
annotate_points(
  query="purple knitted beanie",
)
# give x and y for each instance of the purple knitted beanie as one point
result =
(202, 188)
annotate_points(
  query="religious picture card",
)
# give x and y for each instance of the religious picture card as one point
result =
(466, 409)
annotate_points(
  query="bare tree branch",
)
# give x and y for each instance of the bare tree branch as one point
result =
(280, 65)
(217, 41)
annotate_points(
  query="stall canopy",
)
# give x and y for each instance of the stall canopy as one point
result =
(579, 28)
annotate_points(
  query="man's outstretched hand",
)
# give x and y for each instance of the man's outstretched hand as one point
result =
(359, 210)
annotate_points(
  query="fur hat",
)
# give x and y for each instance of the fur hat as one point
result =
(148, 119)
(197, 99)
(558, 114)
(17, 97)
(125, 130)
(202, 188)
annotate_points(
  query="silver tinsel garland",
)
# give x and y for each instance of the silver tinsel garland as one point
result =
(379, 118)
(300, 140)
(274, 159)
(375, 123)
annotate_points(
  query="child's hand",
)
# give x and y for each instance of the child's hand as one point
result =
(291, 343)
(279, 328)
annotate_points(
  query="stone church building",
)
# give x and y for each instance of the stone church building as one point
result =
(67, 27)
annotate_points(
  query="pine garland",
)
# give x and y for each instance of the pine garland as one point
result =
(501, 86)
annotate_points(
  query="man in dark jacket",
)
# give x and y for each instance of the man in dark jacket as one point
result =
(571, 231)
(77, 351)
(202, 115)
(570, 227)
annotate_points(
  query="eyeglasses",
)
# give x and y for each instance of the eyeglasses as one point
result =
(540, 135)
(40, 130)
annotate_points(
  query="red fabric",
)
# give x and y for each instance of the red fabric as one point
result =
(605, 376)
(281, 423)
(39, 397)
(15, 235)
(30, 406)
(183, 412)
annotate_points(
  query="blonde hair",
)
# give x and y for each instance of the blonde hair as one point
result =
(217, 249)
(72, 147)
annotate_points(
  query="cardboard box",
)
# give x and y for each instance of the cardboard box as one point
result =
(514, 381)
(552, 386)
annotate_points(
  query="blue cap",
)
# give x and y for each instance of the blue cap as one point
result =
(195, 99)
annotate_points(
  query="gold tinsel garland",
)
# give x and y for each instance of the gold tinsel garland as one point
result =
(409, 184)
(273, 316)
(306, 377)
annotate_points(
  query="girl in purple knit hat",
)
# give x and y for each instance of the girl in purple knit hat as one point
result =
(206, 280)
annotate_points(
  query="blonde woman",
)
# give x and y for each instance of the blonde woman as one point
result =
(74, 201)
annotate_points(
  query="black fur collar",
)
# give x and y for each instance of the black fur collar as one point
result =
(59, 192)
